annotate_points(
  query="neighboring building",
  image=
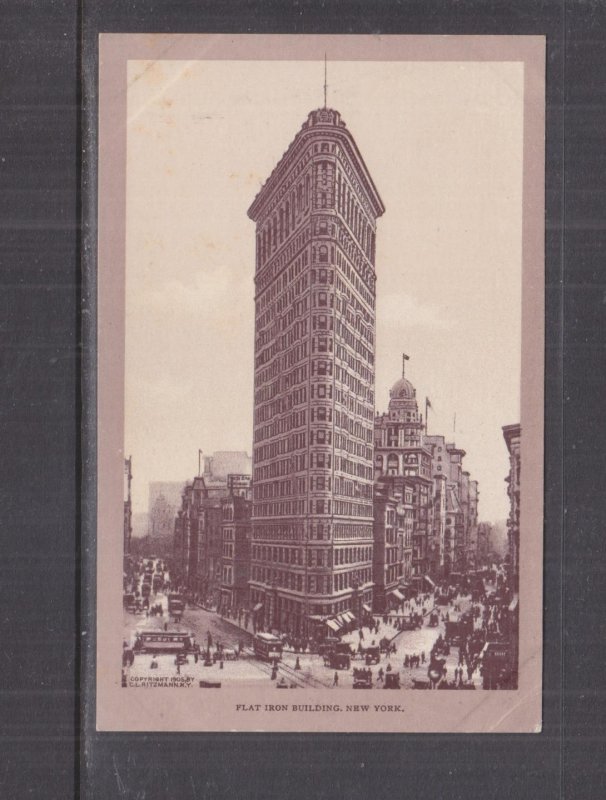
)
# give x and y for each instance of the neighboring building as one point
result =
(223, 463)
(472, 527)
(312, 525)
(169, 491)
(393, 535)
(512, 435)
(214, 468)
(400, 452)
(484, 545)
(236, 511)
(199, 536)
(128, 505)
(160, 526)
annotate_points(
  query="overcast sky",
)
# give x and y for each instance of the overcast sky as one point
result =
(443, 143)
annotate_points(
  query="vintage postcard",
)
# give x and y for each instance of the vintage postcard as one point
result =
(320, 372)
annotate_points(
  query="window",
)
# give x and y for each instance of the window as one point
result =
(323, 254)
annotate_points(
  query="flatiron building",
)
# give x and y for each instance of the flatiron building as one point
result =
(312, 518)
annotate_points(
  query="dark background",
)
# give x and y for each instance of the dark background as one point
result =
(41, 344)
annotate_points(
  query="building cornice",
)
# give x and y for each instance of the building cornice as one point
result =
(315, 128)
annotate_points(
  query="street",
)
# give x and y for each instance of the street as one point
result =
(250, 671)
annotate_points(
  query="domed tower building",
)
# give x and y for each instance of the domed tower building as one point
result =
(403, 469)
(312, 524)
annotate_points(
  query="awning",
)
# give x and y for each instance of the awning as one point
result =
(258, 607)
(367, 608)
(333, 625)
(430, 582)
(348, 616)
(514, 604)
(397, 594)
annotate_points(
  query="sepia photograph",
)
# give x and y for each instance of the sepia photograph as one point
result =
(327, 372)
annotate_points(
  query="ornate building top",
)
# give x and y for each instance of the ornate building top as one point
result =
(403, 395)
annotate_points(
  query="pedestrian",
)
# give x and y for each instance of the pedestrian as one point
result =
(335, 680)
(166, 626)
(297, 664)
(406, 662)
(423, 657)
(380, 676)
(388, 668)
(221, 664)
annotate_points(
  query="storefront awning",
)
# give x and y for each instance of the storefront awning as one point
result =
(430, 582)
(514, 604)
(333, 625)
(367, 608)
(258, 607)
(397, 594)
(348, 616)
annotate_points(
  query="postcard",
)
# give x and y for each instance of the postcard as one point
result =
(320, 296)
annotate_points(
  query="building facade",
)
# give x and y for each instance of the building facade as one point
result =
(393, 540)
(400, 451)
(198, 542)
(312, 524)
(236, 511)
(512, 435)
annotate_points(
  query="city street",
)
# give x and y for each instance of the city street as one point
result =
(250, 671)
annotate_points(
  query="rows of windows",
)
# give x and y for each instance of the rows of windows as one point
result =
(356, 468)
(287, 508)
(297, 331)
(283, 424)
(352, 340)
(348, 488)
(348, 253)
(359, 429)
(347, 530)
(360, 387)
(281, 385)
(355, 368)
(352, 555)
(278, 365)
(284, 220)
(284, 268)
(296, 441)
(348, 508)
(278, 555)
(277, 489)
(289, 531)
(346, 294)
(282, 466)
(354, 448)
(354, 216)
(351, 402)
(265, 411)
(315, 584)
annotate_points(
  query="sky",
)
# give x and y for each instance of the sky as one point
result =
(443, 143)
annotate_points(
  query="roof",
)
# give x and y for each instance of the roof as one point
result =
(320, 121)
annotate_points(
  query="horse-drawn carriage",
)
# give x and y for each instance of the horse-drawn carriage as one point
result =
(412, 622)
(337, 660)
(392, 680)
(457, 631)
(362, 678)
(372, 655)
